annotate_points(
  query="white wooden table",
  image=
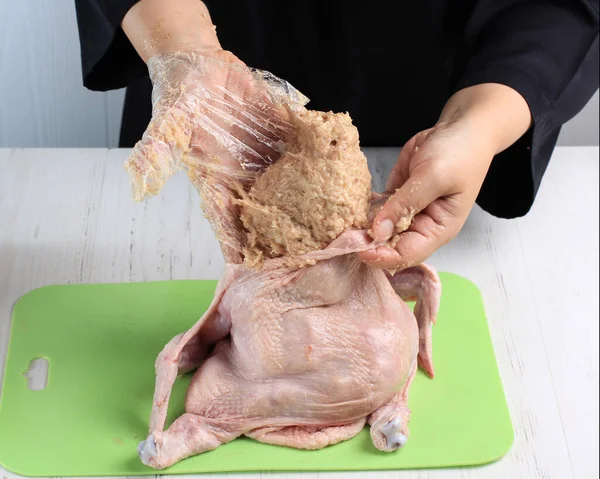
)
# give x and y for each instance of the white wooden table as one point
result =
(67, 216)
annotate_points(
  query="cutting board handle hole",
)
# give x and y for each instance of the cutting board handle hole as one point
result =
(37, 374)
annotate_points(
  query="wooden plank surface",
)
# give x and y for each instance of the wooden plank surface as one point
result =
(66, 216)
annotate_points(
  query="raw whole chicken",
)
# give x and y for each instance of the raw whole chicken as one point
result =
(303, 344)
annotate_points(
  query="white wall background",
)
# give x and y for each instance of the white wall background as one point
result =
(43, 102)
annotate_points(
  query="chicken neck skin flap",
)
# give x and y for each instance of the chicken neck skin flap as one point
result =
(303, 344)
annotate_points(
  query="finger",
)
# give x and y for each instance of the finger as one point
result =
(382, 257)
(397, 214)
(399, 173)
(409, 249)
(377, 202)
(158, 154)
(427, 233)
(414, 190)
(152, 162)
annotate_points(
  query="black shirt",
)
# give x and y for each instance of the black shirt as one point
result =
(392, 68)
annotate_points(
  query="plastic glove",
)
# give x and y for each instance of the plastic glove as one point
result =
(220, 120)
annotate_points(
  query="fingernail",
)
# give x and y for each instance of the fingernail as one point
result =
(384, 230)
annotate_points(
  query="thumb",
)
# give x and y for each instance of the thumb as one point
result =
(156, 157)
(397, 213)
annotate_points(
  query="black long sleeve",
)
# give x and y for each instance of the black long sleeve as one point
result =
(108, 59)
(392, 70)
(548, 52)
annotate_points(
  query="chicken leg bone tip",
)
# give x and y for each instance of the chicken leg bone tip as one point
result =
(147, 450)
(394, 438)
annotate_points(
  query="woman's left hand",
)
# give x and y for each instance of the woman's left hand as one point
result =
(439, 173)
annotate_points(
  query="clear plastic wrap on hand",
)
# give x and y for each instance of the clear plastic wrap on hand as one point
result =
(221, 121)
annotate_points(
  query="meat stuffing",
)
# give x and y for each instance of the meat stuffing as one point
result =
(318, 189)
(303, 344)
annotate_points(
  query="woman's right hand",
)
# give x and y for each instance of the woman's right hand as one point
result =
(209, 112)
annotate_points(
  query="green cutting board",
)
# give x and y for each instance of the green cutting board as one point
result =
(101, 342)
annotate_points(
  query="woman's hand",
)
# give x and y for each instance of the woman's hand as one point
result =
(439, 173)
(211, 115)
(433, 187)
(219, 120)
(209, 111)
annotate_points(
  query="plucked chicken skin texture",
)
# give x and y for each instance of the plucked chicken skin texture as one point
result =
(303, 344)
